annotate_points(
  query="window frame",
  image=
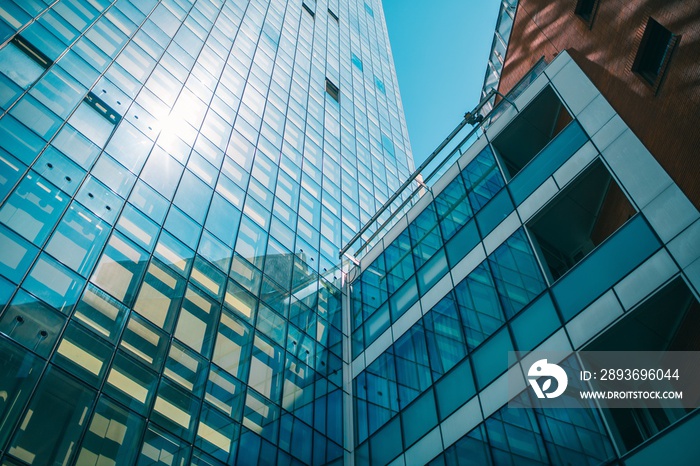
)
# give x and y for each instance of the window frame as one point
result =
(654, 30)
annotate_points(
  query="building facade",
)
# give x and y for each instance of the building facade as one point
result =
(555, 230)
(176, 178)
(642, 55)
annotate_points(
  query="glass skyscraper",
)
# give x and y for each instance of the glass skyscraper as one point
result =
(176, 179)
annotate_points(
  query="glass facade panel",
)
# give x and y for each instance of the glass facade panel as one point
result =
(54, 422)
(176, 179)
(110, 436)
(627, 248)
(20, 371)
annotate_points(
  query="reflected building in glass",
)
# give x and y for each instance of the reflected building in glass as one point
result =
(176, 178)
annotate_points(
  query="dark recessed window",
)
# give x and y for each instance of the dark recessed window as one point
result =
(585, 9)
(33, 52)
(332, 90)
(22, 62)
(102, 108)
(654, 53)
(310, 7)
(335, 17)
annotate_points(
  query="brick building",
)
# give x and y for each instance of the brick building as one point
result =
(606, 38)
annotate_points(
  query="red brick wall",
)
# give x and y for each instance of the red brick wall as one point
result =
(668, 123)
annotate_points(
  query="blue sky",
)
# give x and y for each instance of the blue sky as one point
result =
(440, 51)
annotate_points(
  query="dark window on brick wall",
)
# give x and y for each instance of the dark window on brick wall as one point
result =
(654, 53)
(586, 9)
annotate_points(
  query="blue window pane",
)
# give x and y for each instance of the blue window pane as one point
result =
(381, 392)
(18, 255)
(174, 253)
(373, 287)
(45, 41)
(483, 179)
(494, 212)
(6, 290)
(515, 437)
(120, 268)
(131, 383)
(432, 271)
(403, 299)
(183, 227)
(9, 91)
(387, 143)
(516, 273)
(454, 389)
(48, 432)
(35, 115)
(377, 323)
(357, 62)
(616, 257)
(412, 364)
(491, 359)
(223, 219)
(128, 145)
(472, 446)
(19, 372)
(100, 313)
(59, 170)
(83, 354)
(59, 92)
(76, 146)
(462, 242)
(479, 306)
(453, 208)
(113, 175)
(78, 68)
(78, 239)
(99, 199)
(215, 251)
(423, 225)
(419, 418)
(175, 410)
(54, 283)
(399, 262)
(11, 170)
(149, 201)
(193, 196)
(19, 141)
(535, 323)
(386, 444)
(91, 124)
(558, 151)
(32, 324)
(101, 442)
(18, 66)
(160, 295)
(446, 345)
(159, 444)
(215, 433)
(574, 436)
(138, 227)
